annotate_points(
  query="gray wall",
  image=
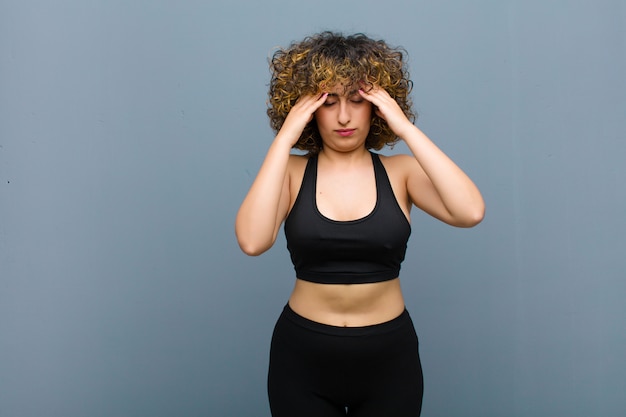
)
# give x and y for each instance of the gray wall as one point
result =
(130, 131)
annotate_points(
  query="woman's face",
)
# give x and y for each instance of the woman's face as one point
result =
(344, 119)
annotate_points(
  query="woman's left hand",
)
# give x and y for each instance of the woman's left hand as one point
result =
(386, 108)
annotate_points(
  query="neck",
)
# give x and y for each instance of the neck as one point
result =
(345, 158)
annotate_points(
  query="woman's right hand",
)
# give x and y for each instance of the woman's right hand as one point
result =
(299, 116)
(266, 204)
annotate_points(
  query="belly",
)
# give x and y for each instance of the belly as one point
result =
(352, 305)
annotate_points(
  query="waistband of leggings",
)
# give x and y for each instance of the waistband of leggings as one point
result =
(402, 320)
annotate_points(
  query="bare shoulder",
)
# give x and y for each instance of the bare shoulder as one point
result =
(296, 165)
(298, 159)
(399, 165)
(399, 168)
(396, 159)
(295, 175)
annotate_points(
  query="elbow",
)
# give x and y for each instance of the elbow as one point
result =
(473, 217)
(250, 249)
(468, 216)
(474, 211)
(251, 241)
(474, 220)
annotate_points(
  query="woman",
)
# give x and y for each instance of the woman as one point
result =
(345, 344)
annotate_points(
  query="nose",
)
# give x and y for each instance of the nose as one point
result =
(344, 113)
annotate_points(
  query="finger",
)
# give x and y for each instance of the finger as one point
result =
(378, 93)
(370, 96)
(319, 101)
(310, 102)
(367, 86)
(322, 97)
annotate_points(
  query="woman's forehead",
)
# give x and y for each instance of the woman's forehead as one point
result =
(342, 89)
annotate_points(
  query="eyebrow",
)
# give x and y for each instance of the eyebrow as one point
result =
(350, 93)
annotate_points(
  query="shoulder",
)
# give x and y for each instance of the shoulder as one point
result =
(297, 164)
(399, 165)
(395, 159)
(295, 172)
(405, 169)
(398, 168)
(295, 175)
(298, 159)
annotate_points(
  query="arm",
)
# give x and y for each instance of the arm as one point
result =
(434, 182)
(266, 204)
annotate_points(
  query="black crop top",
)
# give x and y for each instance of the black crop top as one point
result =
(360, 251)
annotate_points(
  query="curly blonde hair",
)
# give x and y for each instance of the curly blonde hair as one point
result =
(327, 59)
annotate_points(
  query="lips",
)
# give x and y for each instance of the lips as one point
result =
(345, 132)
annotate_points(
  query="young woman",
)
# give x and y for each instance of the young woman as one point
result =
(345, 344)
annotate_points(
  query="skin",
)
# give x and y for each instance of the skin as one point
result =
(346, 190)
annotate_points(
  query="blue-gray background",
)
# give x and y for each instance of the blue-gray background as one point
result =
(130, 131)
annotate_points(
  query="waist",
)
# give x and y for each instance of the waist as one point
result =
(369, 330)
(348, 305)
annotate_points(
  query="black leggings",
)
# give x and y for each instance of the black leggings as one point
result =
(317, 370)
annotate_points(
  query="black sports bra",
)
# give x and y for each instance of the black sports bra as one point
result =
(360, 251)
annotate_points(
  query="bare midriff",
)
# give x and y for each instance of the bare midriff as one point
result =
(348, 305)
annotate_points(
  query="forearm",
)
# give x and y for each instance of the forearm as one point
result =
(458, 193)
(266, 204)
(258, 217)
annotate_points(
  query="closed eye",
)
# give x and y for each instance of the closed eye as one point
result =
(356, 98)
